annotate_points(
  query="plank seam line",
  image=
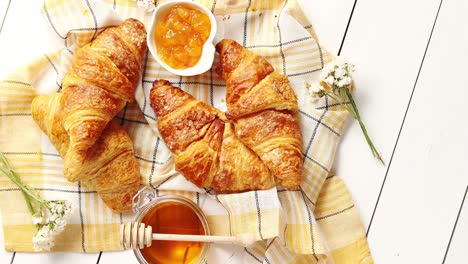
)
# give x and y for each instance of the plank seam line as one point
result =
(13, 257)
(4, 16)
(99, 257)
(404, 119)
(455, 225)
(347, 27)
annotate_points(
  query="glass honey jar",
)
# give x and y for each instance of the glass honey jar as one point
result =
(170, 214)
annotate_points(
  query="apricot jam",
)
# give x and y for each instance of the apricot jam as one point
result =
(173, 218)
(180, 35)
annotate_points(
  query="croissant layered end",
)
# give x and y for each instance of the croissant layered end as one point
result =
(275, 137)
(43, 110)
(200, 161)
(240, 68)
(100, 71)
(273, 92)
(264, 105)
(165, 98)
(113, 60)
(181, 119)
(120, 201)
(240, 169)
(284, 160)
(133, 32)
(229, 55)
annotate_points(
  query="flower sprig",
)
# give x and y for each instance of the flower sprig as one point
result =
(48, 216)
(148, 5)
(336, 81)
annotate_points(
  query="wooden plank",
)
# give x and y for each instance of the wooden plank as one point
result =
(456, 247)
(19, 48)
(218, 253)
(4, 8)
(386, 43)
(329, 28)
(126, 256)
(47, 258)
(5, 257)
(427, 178)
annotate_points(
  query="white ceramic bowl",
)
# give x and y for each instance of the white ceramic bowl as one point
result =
(206, 59)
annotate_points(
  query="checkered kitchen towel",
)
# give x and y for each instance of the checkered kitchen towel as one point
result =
(316, 224)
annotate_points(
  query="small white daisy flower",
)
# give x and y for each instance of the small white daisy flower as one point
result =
(328, 68)
(329, 80)
(340, 73)
(148, 5)
(341, 83)
(43, 239)
(38, 220)
(347, 80)
(315, 89)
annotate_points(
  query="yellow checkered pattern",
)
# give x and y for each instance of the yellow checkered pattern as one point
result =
(316, 224)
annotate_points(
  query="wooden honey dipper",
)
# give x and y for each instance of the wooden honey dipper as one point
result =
(137, 235)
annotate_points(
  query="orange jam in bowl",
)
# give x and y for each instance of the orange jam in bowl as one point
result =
(180, 34)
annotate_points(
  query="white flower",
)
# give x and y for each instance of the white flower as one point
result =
(327, 69)
(315, 89)
(340, 83)
(350, 67)
(38, 220)
(60, 212)
(61, 209)
(329, 80)
(347, 80)
(59, 226)
(324, 74)
(340, 73)
(148, 5)
(43, 239)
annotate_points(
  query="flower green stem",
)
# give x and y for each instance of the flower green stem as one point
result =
(355, 113)
(28, 203)
(10, 173)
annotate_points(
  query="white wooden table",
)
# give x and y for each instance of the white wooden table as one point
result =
(411, 59)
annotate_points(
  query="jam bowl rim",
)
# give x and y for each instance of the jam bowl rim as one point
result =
(206, 59)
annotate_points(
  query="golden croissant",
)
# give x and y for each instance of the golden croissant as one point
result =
(78, 120)
(256, 144)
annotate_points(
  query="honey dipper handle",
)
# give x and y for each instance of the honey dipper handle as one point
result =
(196, 238)
(137, 235)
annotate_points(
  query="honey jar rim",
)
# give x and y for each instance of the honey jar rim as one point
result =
(167, 198)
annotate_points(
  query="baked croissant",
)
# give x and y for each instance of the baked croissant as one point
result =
(204, 145)
(102, 79)
(264, 106)
(256, 144)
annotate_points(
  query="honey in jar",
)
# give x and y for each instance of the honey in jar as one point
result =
(180, 35)
(173, 218)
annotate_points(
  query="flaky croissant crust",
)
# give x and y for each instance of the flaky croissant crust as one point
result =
(256, 144)
(78, 119)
